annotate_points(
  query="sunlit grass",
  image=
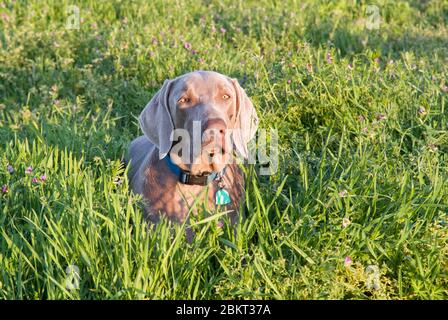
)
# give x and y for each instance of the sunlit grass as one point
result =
(362, 122)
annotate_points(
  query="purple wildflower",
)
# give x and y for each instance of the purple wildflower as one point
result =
(34, 180)
(4, 188)
(289, 81)
(5, 17)
(187, 45)
(10, 169)
(348, 261)
(343, 193)
(329, 57)
(43, 178)
(29, 170)
(223, 30)
(422, 111)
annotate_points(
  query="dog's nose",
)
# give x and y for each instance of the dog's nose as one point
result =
(216, 125)
(213, 137)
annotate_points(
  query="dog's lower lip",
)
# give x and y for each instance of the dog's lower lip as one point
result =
(217, 150)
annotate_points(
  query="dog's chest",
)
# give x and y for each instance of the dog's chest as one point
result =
(166, 195)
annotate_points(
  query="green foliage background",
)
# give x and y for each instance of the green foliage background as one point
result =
(362, 122)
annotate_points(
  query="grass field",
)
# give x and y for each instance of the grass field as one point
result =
(361, 114)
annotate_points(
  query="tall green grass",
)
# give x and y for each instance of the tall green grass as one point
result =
(362, 122)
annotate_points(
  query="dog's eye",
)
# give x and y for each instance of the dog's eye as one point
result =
(183, 100)
(226, 96)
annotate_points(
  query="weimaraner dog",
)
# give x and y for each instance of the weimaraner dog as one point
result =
(173, 175)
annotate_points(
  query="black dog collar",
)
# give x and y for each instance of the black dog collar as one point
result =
(192, 179)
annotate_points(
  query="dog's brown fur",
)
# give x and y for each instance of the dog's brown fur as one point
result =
(149, 174)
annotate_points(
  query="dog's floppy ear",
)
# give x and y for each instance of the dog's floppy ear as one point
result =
(246, 122)
(156, 122)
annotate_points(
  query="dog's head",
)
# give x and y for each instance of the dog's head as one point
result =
(198, 118)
